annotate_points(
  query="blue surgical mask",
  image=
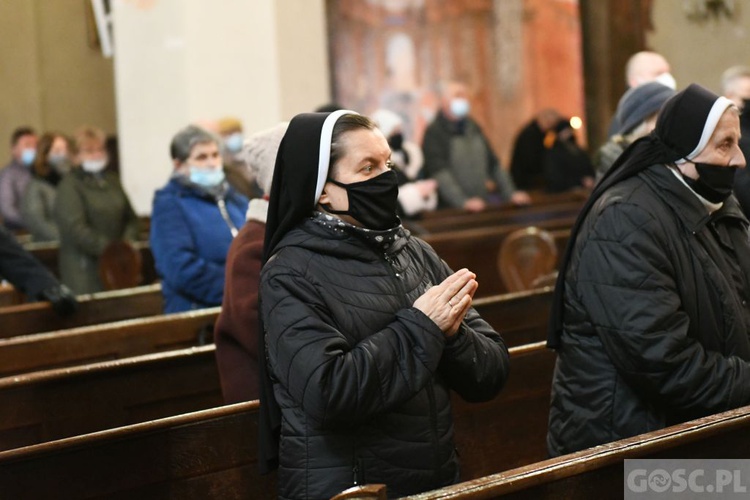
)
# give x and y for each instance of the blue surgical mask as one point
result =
(206, 177)
(233, 142)
(28, 155)
(460, 107)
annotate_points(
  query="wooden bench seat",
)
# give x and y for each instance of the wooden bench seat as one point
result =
(213, 453)
(96, 308)
(108, 341)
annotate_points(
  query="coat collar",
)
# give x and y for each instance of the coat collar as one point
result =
(684, 202)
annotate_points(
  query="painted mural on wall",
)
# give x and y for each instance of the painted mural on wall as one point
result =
(517, 57)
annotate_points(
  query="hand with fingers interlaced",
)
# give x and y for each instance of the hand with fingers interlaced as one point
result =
(447, 303)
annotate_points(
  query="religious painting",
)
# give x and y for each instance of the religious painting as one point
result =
(516, 56)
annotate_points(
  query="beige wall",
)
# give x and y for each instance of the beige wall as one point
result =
(699, 53)
(181, 61)
(49, 76)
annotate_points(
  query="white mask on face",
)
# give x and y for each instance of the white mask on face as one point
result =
(93, 166)
(667, 80)
(460, 107)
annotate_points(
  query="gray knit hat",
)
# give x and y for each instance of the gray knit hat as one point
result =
(260, 151)
(639, 103)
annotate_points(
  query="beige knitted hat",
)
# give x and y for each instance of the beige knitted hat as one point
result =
(260, 151)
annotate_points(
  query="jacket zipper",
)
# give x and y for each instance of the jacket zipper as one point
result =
(430, 388)
(225, 215)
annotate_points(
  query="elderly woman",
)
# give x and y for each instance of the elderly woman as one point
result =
(236, 332)
(51, 163)
(366, 330)
(91, 211)
(193, 220)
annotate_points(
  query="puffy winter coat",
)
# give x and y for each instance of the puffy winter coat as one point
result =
(361, 376)
(656, 316)
(190, 240)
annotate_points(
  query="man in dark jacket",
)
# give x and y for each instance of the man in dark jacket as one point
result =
(735, 83)
(459, 157)
(30, 276)
(651, 316)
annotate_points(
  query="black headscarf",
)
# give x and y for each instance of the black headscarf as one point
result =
(685, 124)
(301, 170)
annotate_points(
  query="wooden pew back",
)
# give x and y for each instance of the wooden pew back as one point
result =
(96, 308)
(215, 451)
(478, 250)
(54, 404)
(598, 472)
(108, 341)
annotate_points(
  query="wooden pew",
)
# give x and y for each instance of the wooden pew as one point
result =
(538, 198)
(520, 317)
(598, 472)
(514, 215)
(100, 307)
(47, 253)
(479, 249)
(108, 341)
(213, 453)
(53, 404)
(9, 296)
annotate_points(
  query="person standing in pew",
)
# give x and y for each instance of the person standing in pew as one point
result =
(92, 210)
(650, 317)
(37, 207)
(458, 155)
(193, 221)
(31, 278)
(236, 331)
(366, 329)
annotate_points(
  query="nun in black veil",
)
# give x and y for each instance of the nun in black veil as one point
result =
(650, 317)
(366, 329)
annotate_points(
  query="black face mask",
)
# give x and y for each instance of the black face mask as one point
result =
(396, 142)
(372, 202)
(715, 182)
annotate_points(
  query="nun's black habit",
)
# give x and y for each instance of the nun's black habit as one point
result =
(356, 383)
(650, 316)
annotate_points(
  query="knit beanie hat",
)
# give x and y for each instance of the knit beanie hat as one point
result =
(639, 103)
(387, 121)
(260, 151)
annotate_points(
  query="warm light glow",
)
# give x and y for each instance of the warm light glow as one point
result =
(576, 122)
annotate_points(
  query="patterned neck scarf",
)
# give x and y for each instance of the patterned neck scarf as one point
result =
(387, 240)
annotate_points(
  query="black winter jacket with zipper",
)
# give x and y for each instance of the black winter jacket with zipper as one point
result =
(363, 378)
(656, 317)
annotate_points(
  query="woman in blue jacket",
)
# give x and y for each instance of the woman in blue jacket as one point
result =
(194, 218)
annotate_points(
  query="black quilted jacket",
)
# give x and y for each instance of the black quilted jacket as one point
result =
(656, 316)
(363, 378)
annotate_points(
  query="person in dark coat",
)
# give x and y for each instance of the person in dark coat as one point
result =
(366, 330)
(735, 83)
(529, 151)
(458, 155)
(30, 277)
(193, 221)
(236, 331)
(650, 318)
(566, 166)
(91, 210)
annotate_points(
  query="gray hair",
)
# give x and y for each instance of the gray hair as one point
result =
(184, 141)
(730, 77)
